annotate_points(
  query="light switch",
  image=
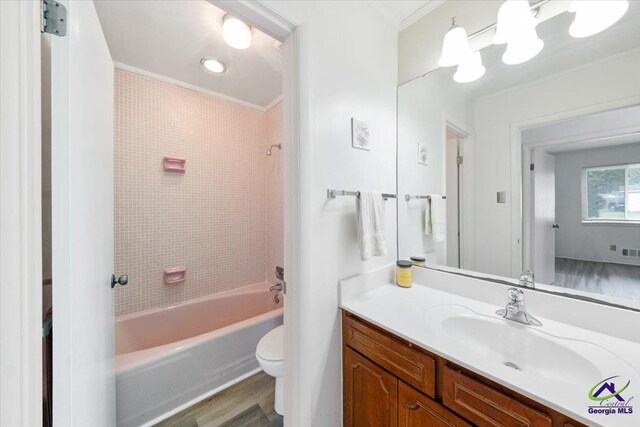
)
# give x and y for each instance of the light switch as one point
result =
(502, 197)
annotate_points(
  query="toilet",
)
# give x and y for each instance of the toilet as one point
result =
(270, 355)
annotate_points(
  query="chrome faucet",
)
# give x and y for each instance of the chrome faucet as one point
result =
(516, 310)
(527, 279)
(276, 287)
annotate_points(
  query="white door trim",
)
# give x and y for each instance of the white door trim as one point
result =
(20, 215)
(520, 183)
(465, 195)
(260, 15)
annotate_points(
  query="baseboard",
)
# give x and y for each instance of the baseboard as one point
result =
(200, 398)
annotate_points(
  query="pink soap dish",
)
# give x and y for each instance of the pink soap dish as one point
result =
(175, 275)
(172, 164)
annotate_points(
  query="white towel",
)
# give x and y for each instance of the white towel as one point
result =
(370, 222)
(436, 217)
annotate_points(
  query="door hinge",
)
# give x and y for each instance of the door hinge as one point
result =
(53, 18)
(459, 160)
(532, 167)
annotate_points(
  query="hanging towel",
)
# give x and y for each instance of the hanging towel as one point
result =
(370, 223)
(435, 217)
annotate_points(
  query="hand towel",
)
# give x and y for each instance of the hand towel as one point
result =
(436, 217)
(370, 223)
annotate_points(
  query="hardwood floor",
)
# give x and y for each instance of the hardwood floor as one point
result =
(617, 280)
(248, 403)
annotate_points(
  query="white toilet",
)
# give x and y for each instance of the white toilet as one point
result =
(270, 355)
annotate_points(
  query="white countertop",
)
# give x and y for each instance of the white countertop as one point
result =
(404, 312)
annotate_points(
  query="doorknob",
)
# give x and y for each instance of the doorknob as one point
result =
(555, 226)
(122, 280)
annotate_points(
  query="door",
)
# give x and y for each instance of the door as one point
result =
(544, 214)
(453, 199)
(370, 393)
(417, 410)
(82, 222)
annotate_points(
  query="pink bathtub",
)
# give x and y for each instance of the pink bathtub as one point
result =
(169, 357)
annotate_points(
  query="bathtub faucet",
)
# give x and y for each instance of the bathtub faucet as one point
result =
(276, 287)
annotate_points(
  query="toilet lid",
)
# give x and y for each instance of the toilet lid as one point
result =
(271, 346)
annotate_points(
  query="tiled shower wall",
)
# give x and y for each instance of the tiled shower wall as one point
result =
(219, 219)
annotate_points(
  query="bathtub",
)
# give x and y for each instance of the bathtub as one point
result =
(167, 358)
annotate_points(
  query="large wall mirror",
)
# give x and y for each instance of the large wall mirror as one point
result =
(534, 166)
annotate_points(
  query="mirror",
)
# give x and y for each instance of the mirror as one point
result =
(532, 166)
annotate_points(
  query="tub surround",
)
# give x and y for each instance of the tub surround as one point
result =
(221, 219)
(609, 346)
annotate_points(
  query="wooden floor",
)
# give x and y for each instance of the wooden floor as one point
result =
(616, 280)
(248, 403)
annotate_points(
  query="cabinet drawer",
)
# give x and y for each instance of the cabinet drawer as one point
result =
(417, 410)
(397, 357)
(486, 406)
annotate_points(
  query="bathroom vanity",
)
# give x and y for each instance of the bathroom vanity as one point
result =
(393, 382)
(439, 354)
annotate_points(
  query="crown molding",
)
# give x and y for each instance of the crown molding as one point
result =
(184, 85)
(415, 16)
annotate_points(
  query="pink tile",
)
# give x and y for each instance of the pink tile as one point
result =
(223, 218)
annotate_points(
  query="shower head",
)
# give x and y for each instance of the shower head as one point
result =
(278, 146)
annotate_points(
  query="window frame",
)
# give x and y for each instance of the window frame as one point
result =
(585, 196)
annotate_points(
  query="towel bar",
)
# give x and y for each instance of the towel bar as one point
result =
(408, 197)
(332, 194)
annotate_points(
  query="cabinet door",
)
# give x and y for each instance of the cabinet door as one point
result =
(417, 410)
(370, 393)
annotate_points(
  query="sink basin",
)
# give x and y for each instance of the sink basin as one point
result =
(524, 348)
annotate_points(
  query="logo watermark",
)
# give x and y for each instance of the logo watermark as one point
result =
(608, 397)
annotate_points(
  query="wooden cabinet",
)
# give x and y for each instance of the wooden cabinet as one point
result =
(390, 382)
(486, 406)
(370, 393)
(417, 410)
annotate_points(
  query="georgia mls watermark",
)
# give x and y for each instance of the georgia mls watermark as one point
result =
(610, 398)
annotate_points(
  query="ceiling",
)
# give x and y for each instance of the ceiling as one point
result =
(407, 12)
(169, 38)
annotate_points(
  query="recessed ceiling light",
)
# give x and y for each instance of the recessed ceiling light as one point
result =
(235, 32)
(213, 65)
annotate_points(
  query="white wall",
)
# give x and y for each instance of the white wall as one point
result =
(424, 106)
(590, 241)
(596, 86)
(348, 67)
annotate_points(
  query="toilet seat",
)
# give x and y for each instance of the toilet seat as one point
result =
(271, 346)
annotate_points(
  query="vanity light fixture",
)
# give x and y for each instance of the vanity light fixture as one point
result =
(455, 47)
(594, 16)
(517, 27)
(470, 68)
(213, 65)
(236, 33)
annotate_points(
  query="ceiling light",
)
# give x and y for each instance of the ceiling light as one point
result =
(236, 33)
(517, 27)
(513, 16)
(523, 48)
(594, 16)
(455, 46)
(213, 65)
(470, 68)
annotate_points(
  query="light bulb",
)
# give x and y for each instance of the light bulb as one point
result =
(470, 68)
(594, 16)
(455, 47)
(213, 65)
(236, 33)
